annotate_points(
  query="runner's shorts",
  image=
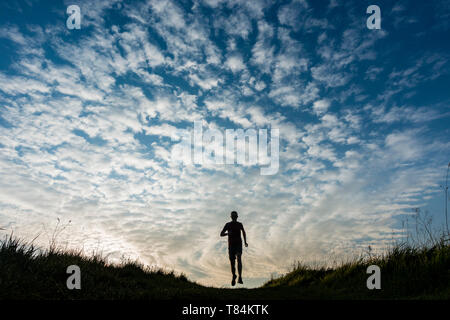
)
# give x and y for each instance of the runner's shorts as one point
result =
(234, 250)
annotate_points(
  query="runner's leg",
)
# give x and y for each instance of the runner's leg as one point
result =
(233, 268)
(239, 263)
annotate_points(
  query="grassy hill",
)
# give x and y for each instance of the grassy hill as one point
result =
(406, 273)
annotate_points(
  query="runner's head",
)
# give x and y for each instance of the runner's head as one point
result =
(234, 215)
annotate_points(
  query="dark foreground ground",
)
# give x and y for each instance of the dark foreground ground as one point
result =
(406, 273)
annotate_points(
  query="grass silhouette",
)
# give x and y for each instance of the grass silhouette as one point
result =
(407, 272)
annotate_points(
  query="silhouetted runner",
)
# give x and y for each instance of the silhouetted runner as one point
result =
(233, 231)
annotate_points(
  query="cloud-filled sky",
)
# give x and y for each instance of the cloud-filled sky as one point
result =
(89, 118)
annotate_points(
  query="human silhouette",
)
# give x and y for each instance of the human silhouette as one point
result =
(233, 230)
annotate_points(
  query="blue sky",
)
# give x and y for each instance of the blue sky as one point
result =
(89, 117)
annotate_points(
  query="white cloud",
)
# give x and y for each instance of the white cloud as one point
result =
(235, 63)
(321, 106)
(404, 145)
(295, 96)
(263, 51)
(330, 76)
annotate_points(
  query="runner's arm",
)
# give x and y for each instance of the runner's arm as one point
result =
(245, 236)
(224, 233)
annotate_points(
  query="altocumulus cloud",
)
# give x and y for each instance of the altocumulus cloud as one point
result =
(89, 117)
